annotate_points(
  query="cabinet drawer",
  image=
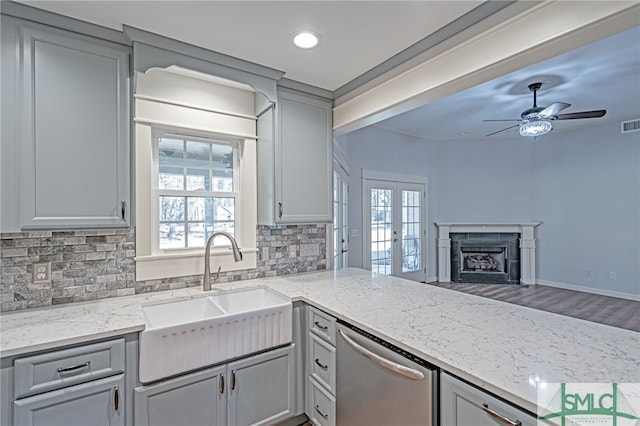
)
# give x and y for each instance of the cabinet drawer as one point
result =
(58, 369)
(323, 325)
(323, 406)
(322, 362)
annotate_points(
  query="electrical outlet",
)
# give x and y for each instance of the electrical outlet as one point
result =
(293, 251)
(588, 272)
(42, 272)
(612, 276)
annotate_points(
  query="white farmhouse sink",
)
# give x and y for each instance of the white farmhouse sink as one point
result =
(248, 300)
(179, 312)
(189, 334)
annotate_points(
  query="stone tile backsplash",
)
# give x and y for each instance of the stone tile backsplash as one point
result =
(97, 264)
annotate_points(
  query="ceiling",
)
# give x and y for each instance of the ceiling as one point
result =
(601, 75)
(356, 36)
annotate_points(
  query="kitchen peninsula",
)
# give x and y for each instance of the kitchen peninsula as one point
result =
(497, 346)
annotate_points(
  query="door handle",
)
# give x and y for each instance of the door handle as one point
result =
(499, 417)
(233, 379)
(321, 365)
(221, 383)
(116, 398)
(383, 362)
(279, 210)
(73, 367)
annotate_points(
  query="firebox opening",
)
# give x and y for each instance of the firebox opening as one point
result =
(483, 260)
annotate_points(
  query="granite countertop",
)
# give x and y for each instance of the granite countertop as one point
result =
(498, 346)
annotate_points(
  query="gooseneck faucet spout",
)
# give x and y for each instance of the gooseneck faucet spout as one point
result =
(237, 256)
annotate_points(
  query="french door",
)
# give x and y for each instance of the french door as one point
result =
(340, 228)
(395, 228)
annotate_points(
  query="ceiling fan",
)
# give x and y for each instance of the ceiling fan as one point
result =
(536, 121)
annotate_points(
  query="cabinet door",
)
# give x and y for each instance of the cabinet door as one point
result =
(462, 405)
(74, 155)
(261, 388)
(196, 399)
(303, 159)
(98, 403)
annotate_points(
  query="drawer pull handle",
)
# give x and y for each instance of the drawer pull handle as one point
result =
(321, 365)
(73, 367)
(325, 415)
(116, 398)
(279, 210)
(500, 417)
(321, 327)
(222, 383)
(233, 379)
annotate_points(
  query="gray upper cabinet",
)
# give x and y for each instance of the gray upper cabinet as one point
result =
(73, 132)
(294, 170)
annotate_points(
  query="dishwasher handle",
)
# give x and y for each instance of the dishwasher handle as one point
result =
(383, 362)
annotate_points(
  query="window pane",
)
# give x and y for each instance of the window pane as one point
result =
(197, 207)
(171, 178)
(222, 167)
(172, 235)
(170, 151)
(198, 180)
(196, 235)
(171, 209)
(197, 154)
(223, 210)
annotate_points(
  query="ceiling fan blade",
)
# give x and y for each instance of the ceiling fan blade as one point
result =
(553, 109)
(515, 119)
(582, 114)
(510, 127)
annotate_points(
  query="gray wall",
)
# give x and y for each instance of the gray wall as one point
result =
(583, 185)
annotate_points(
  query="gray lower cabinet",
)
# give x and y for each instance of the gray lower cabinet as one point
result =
(258, 390)
(80, 385)
(71, 144)
(96, 403)
(462, 405)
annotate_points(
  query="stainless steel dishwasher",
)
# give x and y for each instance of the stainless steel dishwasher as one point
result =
(379, 384)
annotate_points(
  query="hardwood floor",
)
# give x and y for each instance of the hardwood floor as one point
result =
(607, 310)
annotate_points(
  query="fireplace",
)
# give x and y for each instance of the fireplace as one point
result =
(485, 252)
(489, 258)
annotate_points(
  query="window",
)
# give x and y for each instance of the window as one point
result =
(195, 173)
(197, 190)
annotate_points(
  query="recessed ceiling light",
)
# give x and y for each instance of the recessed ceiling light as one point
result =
(305, 40)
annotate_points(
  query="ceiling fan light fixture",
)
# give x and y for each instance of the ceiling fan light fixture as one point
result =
(535, 128)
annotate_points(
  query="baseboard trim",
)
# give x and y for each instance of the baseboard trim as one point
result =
(599, 291)
(432, 280)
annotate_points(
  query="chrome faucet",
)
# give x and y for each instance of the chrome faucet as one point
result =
(237, 256)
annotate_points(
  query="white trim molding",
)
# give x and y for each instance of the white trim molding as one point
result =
(527, 245)
(592, 290)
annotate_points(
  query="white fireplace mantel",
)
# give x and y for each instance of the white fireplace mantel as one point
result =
(527, 245)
